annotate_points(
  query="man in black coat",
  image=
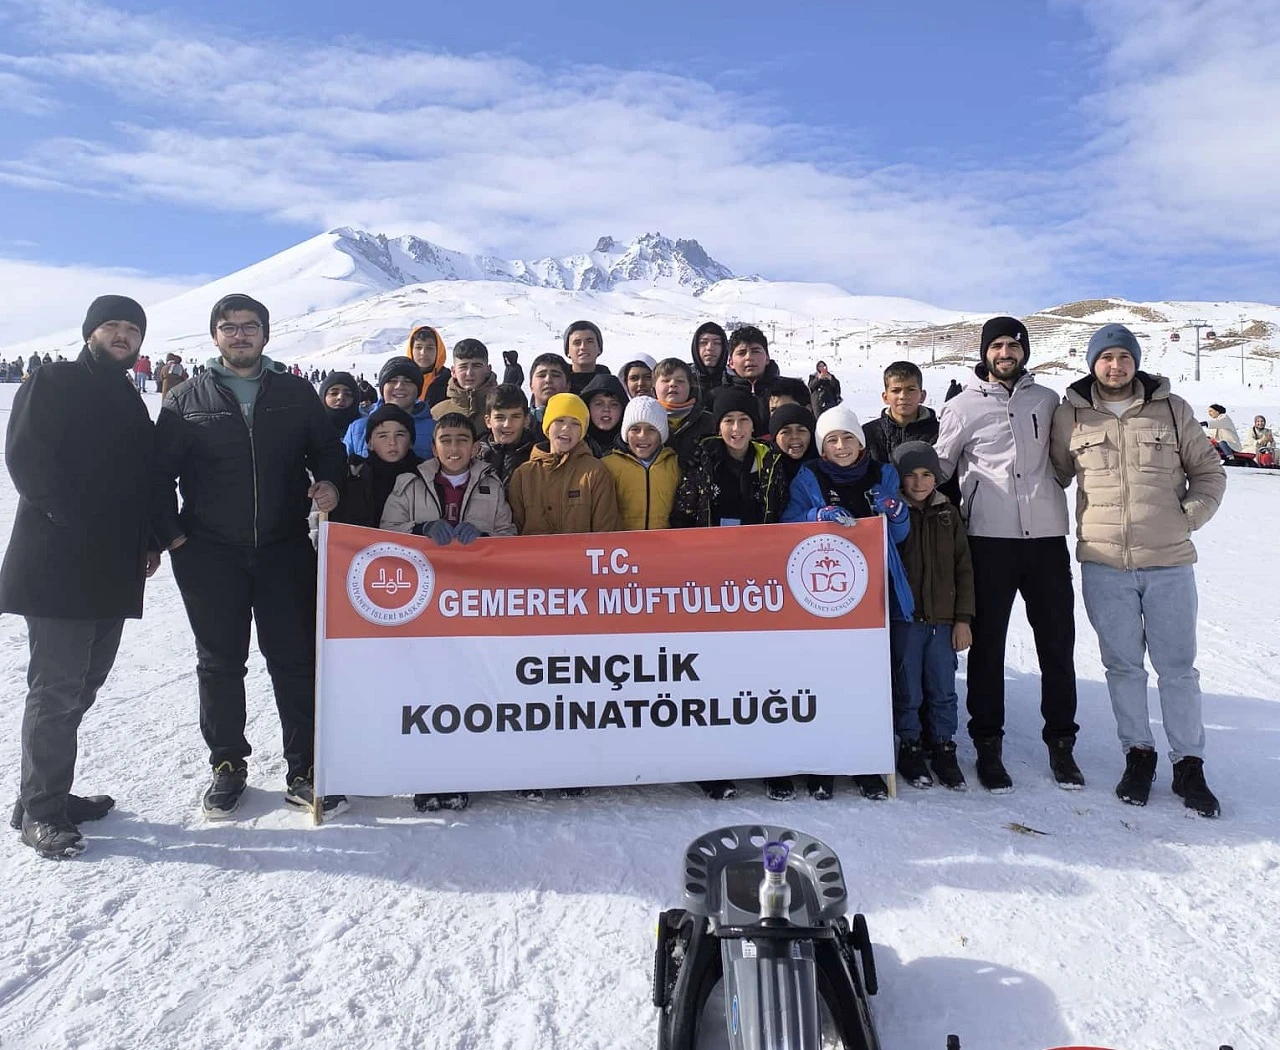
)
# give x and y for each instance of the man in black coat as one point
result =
(80, 451)
(251, 447)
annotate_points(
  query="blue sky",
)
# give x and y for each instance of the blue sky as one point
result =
(1006, 153)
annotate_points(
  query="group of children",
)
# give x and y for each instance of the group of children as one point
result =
(651, 449)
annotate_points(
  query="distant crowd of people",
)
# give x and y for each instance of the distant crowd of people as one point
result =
(973, 500)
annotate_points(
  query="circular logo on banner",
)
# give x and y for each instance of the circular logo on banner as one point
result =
(389, 584)
(827, 575)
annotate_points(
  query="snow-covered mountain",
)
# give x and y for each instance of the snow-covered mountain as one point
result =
(652, 259)
(347, 298)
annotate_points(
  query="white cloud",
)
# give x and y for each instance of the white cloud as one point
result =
(491, 154)
(1188, 151)
(40, 298)
(487, 153)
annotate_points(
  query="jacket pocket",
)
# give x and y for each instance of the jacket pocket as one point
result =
(1093, 452)
(1157, 453)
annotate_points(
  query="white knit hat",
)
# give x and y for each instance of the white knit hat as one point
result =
(841, 417)
(645, 410)
(639, 359)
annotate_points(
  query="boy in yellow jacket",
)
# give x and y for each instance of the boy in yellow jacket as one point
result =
(563, 488)
(645, 473)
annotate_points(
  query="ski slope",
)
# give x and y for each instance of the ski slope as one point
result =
(525, 925)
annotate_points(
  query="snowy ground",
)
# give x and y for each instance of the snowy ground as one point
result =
(530, 925)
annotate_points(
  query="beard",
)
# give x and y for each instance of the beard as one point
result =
(102, 353)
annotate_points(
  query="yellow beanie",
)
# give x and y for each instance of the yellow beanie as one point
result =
(566, 405)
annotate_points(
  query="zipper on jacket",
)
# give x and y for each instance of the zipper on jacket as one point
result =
(253, 452)
(1035, 426)
(646, 492)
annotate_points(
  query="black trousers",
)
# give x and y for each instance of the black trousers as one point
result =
(1039, 570)
(224, 588)
(70, 659)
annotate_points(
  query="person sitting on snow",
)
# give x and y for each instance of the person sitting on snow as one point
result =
(1222, 432)
(1259, 440)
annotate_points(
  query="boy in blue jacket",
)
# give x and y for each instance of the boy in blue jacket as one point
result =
(845, 483)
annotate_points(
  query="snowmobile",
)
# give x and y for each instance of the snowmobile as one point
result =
(764, 916)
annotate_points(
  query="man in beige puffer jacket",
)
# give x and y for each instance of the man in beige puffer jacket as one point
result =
(1145, 480)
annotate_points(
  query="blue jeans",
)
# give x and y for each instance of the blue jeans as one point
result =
(1151, 612)
(924, 681)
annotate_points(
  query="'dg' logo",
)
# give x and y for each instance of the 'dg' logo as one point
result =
(827, 575)
(388, 584)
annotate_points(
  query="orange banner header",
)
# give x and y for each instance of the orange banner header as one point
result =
(751, 578)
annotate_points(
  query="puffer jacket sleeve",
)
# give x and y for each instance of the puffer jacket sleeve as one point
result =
(516, 495)
(899, 521)
(172, 443)
(408, 504)
(1206, 478)
(1064, 417)
(604, 502)
(805, 498)
(354, 439)
(951, 438)
(693, 494)
(503, 522)
(776, 493)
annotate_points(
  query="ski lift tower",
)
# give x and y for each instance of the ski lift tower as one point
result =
(1197, 325)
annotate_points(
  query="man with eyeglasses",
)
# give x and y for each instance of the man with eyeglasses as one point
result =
(250, 447)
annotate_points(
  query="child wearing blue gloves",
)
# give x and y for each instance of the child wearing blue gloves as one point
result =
(843, 484)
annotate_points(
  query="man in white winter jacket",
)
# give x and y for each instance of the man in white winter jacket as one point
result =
(995, 435)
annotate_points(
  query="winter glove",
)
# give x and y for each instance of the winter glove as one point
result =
(464, 532)
(439, 530)
(510, 357)
(836, 515)
(886, 503)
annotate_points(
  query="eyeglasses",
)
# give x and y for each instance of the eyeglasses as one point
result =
(248, 328)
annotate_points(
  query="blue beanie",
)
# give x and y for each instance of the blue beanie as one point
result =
(1112, 337)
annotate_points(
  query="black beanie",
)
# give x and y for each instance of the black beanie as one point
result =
(913, 454)
(1001, 326)
(390, 414)
(238, 301)
(583, 326)
(400, 366)
(113, 308)
(340, 379)
(787, 414)
(733, 399)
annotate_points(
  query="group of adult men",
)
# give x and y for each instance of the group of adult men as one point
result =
(252, 449)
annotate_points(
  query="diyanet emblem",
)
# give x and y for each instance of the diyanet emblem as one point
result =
(388, 584)
(827, 575)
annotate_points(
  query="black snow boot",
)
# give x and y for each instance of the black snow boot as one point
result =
(1139, 774)
(945, 767)
(821, 788)
(912, 766)
(780, 789)
(53, 839)
(80, 808)
(1062, 763)
(718, 790)
(991, 772)
(457, 800)
(1189, 785)
(301, 793)
(222, 797)
(872, 786)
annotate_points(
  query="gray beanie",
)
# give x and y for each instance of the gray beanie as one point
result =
(911, 455)
(1112, 337)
